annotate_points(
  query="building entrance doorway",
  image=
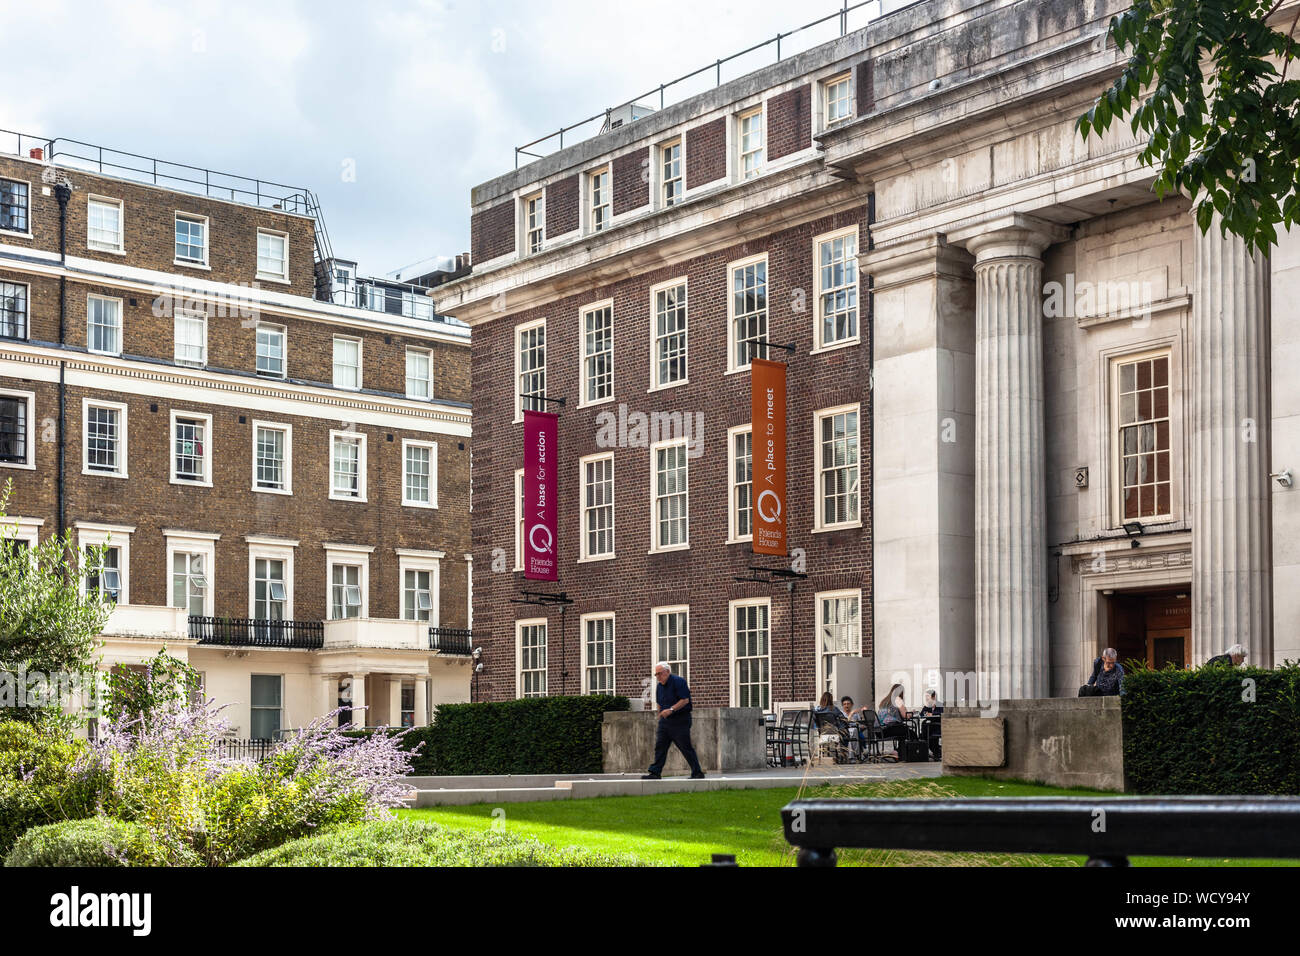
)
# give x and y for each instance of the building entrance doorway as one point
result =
(1154, 626)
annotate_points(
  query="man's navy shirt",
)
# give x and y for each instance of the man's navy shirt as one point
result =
(670, 692)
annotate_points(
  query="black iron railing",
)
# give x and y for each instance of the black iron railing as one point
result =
(451, 640)
(233, 749)
(1108, 830)
(252, 632)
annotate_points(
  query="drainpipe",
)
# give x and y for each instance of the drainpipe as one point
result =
(63, 193)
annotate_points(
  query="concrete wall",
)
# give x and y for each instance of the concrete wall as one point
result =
(725, 738)
(1063, 742)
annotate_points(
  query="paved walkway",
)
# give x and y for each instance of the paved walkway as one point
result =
(520, 788)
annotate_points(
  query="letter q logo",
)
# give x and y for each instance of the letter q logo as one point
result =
(769, 507)
(539, 537)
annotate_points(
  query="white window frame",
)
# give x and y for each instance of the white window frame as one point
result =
(99, 246)
(194, 542)
(739, 265)
(27, 315)
(661, 178)
(1115, 473)
(255, 707)
(819, 523)
(584, 554)
(657, 655)
(819, 344)
(121, 324)
(526, 208)
(431, 561)
(184, 315)
(270, 549)
(433, 473)
(584, 356)
(282, 277)
(760, 111)
(93, 534)
(334, 361)
(428, 356)
(518, 384)
(824, 90)
(655, 546)
(20, 528)
(818, 598)
(122, 472)
(336, 435)
(352, 556)
(206, 480)
(731, 646)
(655, 384)
(591, 206)
(15, 232)
(519, 656)
(207, 233)
(733, 535)
(30, 398)
(288, 457)
(284, 350)
(519, 519)
(613, 651)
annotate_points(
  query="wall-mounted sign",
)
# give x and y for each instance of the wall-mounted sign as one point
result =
(767, 384)
(541, 443)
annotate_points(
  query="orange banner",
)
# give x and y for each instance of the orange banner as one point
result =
(767, 382)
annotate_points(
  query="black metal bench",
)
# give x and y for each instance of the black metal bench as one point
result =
(1108, 830)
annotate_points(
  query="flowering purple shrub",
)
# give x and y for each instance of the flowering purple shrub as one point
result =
(171, 776)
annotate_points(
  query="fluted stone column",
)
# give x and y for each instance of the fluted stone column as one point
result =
(1011, 639)
(1232, 578)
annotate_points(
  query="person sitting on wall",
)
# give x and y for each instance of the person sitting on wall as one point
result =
(1232, 657)
(1107, 678)
(893, 715)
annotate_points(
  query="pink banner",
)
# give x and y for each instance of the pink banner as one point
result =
(541, 442)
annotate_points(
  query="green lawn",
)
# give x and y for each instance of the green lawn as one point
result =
(686, 828)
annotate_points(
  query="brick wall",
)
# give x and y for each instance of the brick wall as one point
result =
(703, 575)
(789, 122)
(706, 153)
(562, 206)
(149, 228)
(492, 232)
(631, 181)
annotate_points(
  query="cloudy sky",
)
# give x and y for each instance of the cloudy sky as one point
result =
(422, 99)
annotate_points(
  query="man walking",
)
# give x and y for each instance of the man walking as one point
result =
(674, 699)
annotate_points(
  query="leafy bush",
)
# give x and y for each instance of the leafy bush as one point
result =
(96, 841)
(199, 807)
(535, 735)
(421, 843)
(38, 783)
(1214, 730)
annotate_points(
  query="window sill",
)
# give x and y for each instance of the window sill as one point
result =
(747, 539)
(847, 526)
(598, 402)
(98, 352)
(419, 398)
(273, 491)
(16, 464)
(118, 251)
(103, 474)
(192, 265)
(670, 549)
(597, 559)
(835, 346)
(664, 388)
(426, 505)
(353, 498)
(274, 376)
(190, 483)
(15, 234)
(279, 280)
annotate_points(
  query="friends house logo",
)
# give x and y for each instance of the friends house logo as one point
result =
(76, 910)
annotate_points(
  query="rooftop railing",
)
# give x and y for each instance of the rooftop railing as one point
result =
(710, 76)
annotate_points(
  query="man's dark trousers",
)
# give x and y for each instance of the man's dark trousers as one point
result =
(674, 730)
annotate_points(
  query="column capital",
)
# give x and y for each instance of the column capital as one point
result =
(1011, 236)
(903, 263)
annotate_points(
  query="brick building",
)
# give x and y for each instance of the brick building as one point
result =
(281, 483)
(1081, 429)
(635, 274)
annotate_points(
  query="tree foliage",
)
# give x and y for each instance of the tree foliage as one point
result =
(1207, 80)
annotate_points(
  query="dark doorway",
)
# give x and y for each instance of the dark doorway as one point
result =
(1154, 626)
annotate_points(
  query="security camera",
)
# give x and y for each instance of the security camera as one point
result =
(1283, 478)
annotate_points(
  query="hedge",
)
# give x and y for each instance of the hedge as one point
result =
(97, 841)
(551, 735)
(1213, 730)
(407, 842)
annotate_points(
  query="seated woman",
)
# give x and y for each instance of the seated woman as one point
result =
(893, 715)
(932, 706)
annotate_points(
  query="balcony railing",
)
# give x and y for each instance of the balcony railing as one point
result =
(451, 640)
(231, 748)
(252, 632)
